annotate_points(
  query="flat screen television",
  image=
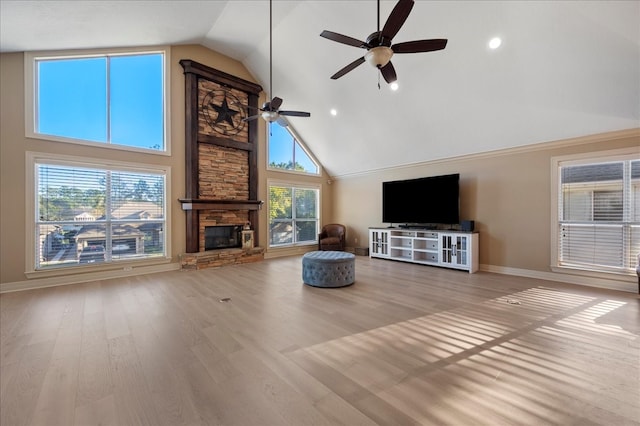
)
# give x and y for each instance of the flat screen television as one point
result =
(422, 202)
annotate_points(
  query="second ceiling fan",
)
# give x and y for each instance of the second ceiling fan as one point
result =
(270, 110)
(379, 44)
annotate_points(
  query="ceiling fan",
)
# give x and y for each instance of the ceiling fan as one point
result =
(379, 44)
(270, 110)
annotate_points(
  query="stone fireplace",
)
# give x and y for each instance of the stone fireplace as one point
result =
(221, 167)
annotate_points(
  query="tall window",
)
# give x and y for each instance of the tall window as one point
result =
(598, 222)
(286, 152)
(116, 99)
(293, 215)
(87, 214)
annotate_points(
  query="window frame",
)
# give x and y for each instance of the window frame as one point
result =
(33, 159)
(30, 69)
(298, 141)
(294, 186)
(619, 155)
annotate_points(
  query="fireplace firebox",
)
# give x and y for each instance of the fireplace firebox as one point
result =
(222, 237)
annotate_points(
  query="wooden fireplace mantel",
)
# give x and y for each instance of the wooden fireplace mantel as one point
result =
(208, 204)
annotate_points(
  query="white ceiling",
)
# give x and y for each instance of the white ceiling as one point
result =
(565, 68)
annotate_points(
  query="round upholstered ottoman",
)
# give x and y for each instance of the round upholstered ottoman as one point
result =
(328, 268)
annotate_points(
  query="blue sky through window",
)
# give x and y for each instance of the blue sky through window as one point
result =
(136, 101)
(115, 99)
(279, 144)
(72, 98)
(283, 148)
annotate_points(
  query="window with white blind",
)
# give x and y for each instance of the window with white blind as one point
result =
(598, 217)
(293, 215)
(86, 213)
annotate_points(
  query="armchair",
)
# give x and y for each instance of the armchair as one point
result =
(332, 237)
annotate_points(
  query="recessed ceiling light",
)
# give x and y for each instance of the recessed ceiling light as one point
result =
(333, 112)
(394, 86)
(495, 42)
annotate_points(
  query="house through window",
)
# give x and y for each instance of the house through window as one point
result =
(598, 222)
(92, 214)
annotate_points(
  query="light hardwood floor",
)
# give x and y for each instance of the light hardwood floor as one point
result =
(405, 345)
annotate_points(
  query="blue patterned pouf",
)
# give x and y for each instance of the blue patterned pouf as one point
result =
(328, 268)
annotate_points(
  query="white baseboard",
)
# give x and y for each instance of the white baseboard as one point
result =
(273, 253)
(629, 283)
(82, 278)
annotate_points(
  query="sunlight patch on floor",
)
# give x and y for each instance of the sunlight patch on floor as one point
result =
(507, 361)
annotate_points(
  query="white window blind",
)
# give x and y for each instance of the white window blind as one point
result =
(89, 215)
(598, 215)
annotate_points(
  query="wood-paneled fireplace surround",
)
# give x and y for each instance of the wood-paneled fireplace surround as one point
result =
(221, 163)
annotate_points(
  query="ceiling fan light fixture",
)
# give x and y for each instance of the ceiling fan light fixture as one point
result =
(380, 46)
(270, 116)
(379, 56)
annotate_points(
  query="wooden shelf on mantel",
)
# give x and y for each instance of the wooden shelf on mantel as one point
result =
(208, 204)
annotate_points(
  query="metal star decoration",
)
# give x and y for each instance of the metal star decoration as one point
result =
(224, 112)
(218, 113)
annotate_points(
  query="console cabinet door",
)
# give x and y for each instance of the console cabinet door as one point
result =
(378, 243)
(455, 250)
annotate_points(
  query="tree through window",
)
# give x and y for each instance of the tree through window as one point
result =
(286, 152)
(293, 215)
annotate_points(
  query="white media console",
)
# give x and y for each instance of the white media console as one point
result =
(449, 249)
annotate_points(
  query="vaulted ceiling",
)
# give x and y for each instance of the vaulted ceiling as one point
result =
(564, 69)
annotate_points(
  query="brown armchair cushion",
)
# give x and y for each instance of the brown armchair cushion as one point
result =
(331, 240)
(332, 237)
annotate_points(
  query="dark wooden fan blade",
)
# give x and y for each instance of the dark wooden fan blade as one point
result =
(275, 104)
(253, 117)
(389, 73)
(295, 113)
(343, 39)
(348, 68)
(418, 46)
(399, 14)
